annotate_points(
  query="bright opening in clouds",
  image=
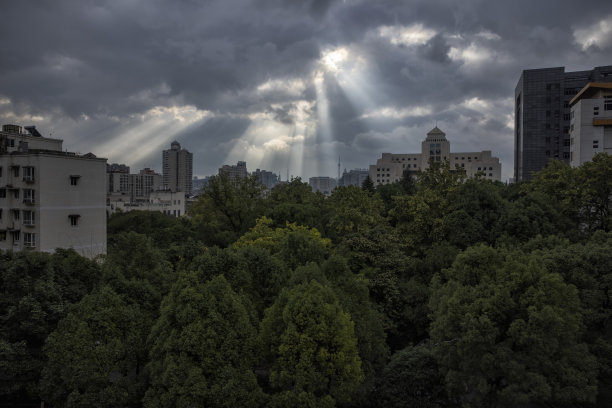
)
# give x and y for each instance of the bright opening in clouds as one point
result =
(599, 34)
(412, 35)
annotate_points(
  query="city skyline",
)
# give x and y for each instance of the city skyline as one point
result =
(284, 86)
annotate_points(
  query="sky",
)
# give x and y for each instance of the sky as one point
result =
(288, 86)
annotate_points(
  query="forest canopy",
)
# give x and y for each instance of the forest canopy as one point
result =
(437, 291)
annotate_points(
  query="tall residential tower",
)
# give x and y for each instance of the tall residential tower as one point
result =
(177, 169)
(542, 115)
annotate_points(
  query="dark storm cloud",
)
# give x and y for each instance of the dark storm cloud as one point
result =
(211, 72)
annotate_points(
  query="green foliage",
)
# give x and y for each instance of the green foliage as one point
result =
(203, 348)
(96, 354)
(411, 379)
(368, 185)
(310, 346)
(37, 292)
(295, 244)
(508, 332)
(352, 210)
(295, 203)
(227, 208)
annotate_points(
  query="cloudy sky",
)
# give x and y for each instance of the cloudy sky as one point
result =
(286, 85)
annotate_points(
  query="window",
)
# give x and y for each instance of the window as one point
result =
(15, 171)
(74, 219)
(608, 102)
(28, 196)
(2, 235)
(15, 235)
(566, 116)
(15, 214)
(595, 144)
(28, 174)
(11, 142)
(74, 180)
(2, 192)
(29, 239)
(566, 155)
(16, 193)
(28, 217)
(0, 171)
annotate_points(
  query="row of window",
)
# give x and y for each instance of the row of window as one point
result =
(29, 238)
(29, 217)
(28, 194)
(28, 172)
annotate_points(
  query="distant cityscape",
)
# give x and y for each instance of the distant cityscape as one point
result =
(52, 198)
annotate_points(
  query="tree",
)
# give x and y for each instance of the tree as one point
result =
(507, 332)
(96, 354)
(203, 348)
(37, 292)
(310, 347)
(411, 379)
(226, 208)
(295, 203)
(294, 245)
(352, 210)
(368, 185)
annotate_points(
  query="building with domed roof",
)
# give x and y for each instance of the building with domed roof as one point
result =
(391, 167)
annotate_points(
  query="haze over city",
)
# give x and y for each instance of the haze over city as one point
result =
(284, 86)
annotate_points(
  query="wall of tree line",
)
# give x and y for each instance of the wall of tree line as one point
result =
(432, 292)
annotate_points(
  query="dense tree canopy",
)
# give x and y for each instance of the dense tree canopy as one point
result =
(438, 291)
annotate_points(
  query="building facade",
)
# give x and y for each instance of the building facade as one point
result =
(591, 122)
(390, 168)
(267, 178)
(324, 185)
(542, 115)
(164, 201)
(354, 177)
(234, 171)
(177, 169)
(50, 198)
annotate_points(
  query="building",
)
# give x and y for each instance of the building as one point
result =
(164, 201)
(324, 185)
(542, 115)
(239, 170)
(50, 198)
(267, 178)
(390, 168)
(590, 122)
(355, 177)
(177, 169)
(144, 183)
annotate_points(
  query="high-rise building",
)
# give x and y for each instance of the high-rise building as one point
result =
(239, 170)
(391, 167)
(324, 185)
(177, 169)
(591, 122)
(50, 198)
(267, 178)
(354, 177)
(542, 115)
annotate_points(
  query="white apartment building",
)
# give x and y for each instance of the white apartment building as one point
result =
(390, 167)
(50, 198)
(590, 122)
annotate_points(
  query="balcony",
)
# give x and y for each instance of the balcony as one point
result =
(29, 201)
(29, 179)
